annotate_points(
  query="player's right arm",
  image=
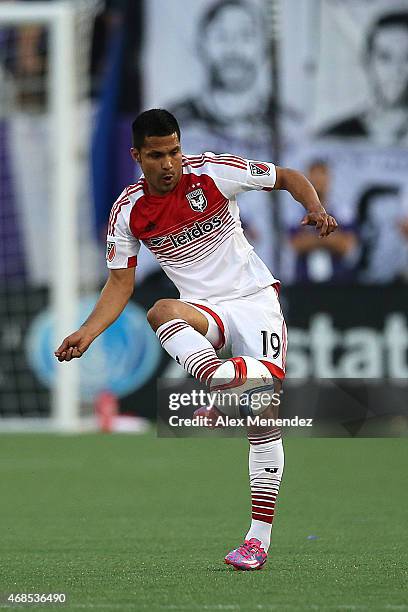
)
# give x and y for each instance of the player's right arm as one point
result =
(121, 257)
(113, 299)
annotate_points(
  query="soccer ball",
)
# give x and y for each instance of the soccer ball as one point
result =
(243, 387)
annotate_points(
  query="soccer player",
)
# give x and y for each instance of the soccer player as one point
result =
(184, 209)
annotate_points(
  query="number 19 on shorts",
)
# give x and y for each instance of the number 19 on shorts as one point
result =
(272, 341)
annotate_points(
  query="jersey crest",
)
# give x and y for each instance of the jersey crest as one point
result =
(110, 251)
(258, 168)
(197, 200)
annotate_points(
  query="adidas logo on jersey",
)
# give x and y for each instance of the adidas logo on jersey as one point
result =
(258, 168)
(157, 241)
(196, 231)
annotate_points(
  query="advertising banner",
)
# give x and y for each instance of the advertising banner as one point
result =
(347, 357)
(218, 84)
(350, 63)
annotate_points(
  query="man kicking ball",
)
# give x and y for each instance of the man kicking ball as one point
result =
(184, 209)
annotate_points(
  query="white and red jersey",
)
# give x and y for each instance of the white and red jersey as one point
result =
(195, 231)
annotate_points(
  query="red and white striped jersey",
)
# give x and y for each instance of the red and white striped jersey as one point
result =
(195, 231)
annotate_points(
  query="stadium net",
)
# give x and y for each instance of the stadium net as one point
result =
(44, 138)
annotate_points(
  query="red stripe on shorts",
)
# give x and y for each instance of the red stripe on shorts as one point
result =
(274, 369)
(216, 318)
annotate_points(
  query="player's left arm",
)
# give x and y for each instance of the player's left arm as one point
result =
(302, 190)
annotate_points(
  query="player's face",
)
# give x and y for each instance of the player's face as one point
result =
(161, 162)
(233, 48)
(389, 64)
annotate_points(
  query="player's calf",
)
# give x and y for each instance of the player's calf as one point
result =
(181, 331)
(266, 462)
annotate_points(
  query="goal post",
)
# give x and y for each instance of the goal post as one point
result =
(63, 89)
(65, 294)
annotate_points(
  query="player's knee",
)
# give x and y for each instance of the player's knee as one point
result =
(161, 312)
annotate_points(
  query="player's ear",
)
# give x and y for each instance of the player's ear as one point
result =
(135, 154)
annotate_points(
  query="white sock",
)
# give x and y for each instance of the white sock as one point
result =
(189, 348)
(266, 461)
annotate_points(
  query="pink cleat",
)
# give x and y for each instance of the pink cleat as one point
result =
(249, 556)
(211, 415)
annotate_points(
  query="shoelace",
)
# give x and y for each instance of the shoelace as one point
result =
(249, 549)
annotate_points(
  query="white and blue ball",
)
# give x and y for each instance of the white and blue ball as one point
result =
(243, 387)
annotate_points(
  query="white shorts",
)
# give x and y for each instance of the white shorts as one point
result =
(252, 325)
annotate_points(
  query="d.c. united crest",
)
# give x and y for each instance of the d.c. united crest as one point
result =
(197, 199)
(110, 251)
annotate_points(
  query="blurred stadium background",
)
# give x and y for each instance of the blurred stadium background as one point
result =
(319, 85)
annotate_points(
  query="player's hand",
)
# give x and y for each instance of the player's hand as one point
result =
(74, 345)
(322, 221)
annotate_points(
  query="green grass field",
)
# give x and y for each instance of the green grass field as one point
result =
(139, 523)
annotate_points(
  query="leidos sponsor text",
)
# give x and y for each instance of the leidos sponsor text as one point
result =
(198, 230)
(188, 234)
